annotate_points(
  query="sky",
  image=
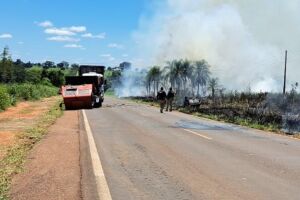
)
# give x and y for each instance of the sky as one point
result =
(77, 31)
(244, 41)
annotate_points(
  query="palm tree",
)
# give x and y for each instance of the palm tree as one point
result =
(186, 72)
(202, 74)
(153, 76)
(173, 73)
(148, 82)
(213, 85)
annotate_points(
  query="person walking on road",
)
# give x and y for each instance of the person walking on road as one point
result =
(161, 97)
(170, 98)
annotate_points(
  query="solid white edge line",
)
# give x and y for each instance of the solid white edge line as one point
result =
(102, 186)
(198, 134)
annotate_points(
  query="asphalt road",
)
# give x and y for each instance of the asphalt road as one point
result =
(149, 155)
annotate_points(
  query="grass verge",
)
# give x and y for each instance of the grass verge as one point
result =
(15, 158)
(237, 120)
(275, 128)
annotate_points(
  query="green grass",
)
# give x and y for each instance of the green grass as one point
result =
(15, 158)
(5, 101)
(10, 94)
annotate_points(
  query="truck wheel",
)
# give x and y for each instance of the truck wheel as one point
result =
(98, 105)
(92, 104)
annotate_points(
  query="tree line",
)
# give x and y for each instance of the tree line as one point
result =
(47, 73)
(185, 76)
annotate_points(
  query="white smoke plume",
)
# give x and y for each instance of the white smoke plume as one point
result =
(244, 41)
(131, 83)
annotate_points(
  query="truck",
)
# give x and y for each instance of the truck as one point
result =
(85, 90)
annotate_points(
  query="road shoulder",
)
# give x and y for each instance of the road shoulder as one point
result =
(52, 170)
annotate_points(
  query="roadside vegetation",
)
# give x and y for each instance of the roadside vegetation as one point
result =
(21, 81)
(10, 94)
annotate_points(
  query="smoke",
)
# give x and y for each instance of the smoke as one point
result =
(243, 41)
(131, 83)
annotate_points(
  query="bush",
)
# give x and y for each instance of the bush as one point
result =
(10, 94)
(34, 75)
(56, 76)
(4, 98)
(28, 91)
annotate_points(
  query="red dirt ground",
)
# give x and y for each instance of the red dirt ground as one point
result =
(52, 170)
(17, 119)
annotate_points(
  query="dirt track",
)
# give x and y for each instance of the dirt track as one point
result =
(52, 170)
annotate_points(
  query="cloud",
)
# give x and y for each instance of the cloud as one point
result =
(115, 46)
(76, 29)
(109, 57)
(125, 55)
(90, 35)
(105, 55)
(6, 36)
(57, 31)
(74, 46)
(20, 43)
(46, 24)
(63, 39)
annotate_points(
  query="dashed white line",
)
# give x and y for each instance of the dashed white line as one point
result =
(198, 134)
(102, 186)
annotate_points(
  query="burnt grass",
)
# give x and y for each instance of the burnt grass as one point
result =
(271, 112)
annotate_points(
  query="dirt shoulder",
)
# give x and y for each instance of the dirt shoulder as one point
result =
(16, 120)
(52, 170)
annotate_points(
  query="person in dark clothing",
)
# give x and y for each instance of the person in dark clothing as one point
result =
(170, 98)
(161, 97)
(186, 102)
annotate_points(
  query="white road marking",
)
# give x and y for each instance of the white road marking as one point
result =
(102, 187)
(198, 134)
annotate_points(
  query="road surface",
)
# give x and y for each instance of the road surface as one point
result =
(149, 155)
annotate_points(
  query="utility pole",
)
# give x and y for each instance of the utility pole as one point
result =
(285, 63)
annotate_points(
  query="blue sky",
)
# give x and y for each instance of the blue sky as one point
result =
(94, 31)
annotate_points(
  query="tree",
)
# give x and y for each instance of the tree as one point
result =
(5, 54)
(34, 75)
(56, 76)
(48, 64)
(174, 73)
(63, 65)
(18, 62)
(6, 67)
(202, 74)
(153, 76)
(125, 66)
(186, 72)
(28, 65)
(213, 85)
(148, 82)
